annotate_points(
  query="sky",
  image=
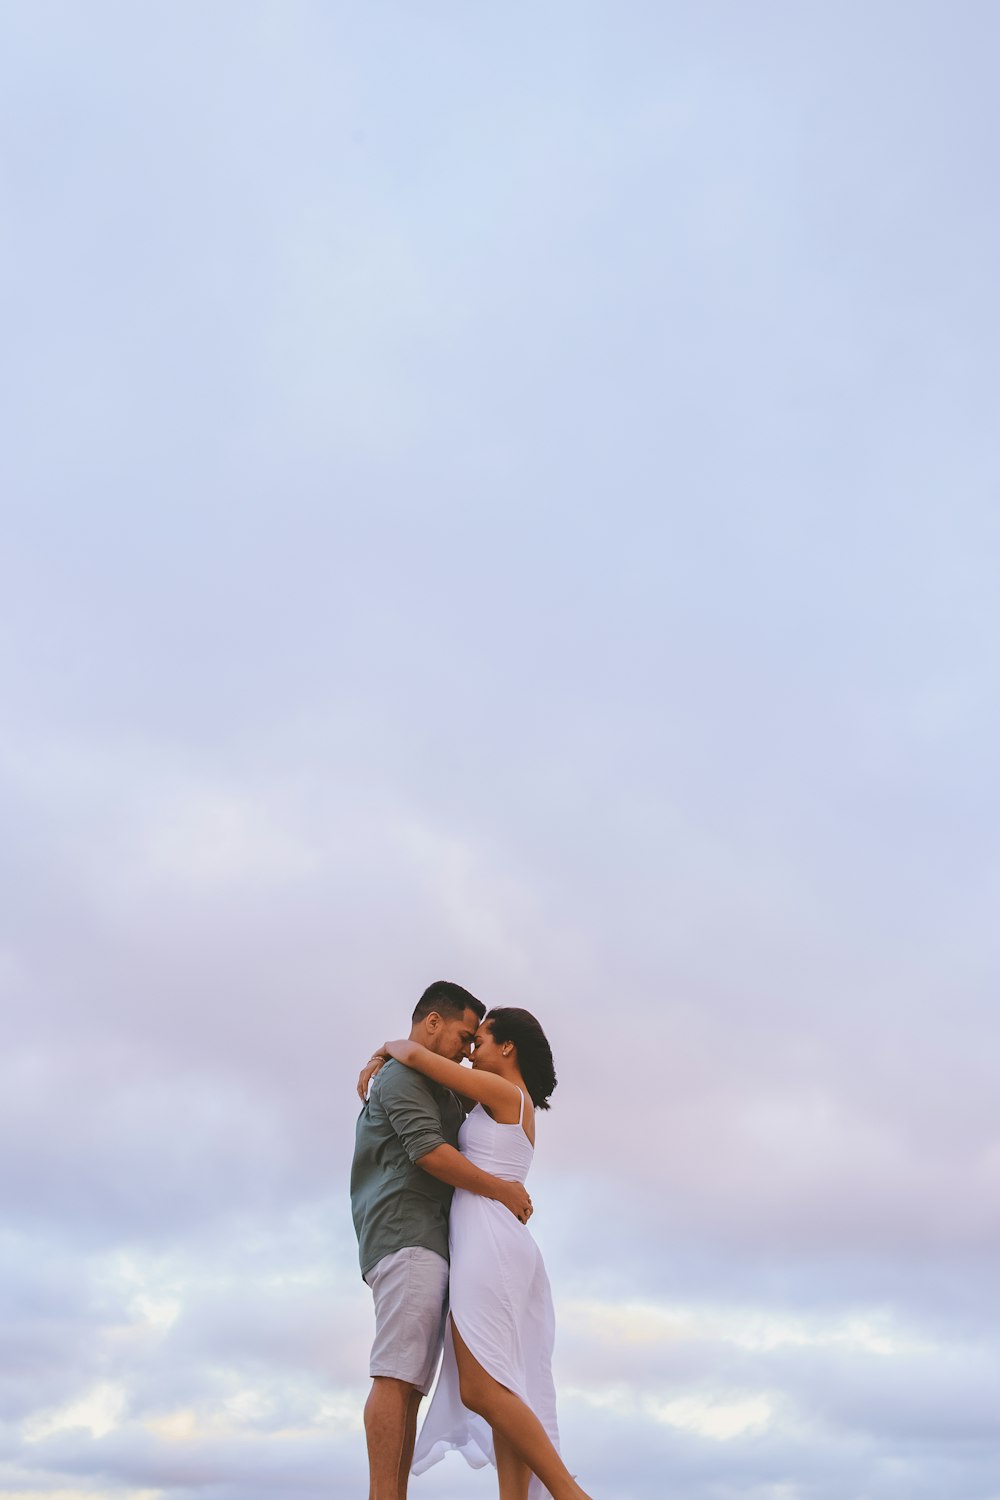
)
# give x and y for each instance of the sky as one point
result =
(506, 494)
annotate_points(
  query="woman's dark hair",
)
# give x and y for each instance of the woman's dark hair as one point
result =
(534, 1055)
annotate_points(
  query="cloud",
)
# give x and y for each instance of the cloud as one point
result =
(98, 1411)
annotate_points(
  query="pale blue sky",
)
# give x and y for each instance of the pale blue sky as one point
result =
(509, 494)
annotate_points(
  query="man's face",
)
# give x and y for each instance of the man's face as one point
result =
(454, 1036)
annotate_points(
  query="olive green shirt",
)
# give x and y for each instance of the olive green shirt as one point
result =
(395, 1203)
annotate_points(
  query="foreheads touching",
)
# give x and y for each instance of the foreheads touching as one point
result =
(487, 1053)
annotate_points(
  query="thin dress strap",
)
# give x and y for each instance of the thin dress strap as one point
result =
(520, 1118)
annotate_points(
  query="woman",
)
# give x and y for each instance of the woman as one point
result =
(495, 1400)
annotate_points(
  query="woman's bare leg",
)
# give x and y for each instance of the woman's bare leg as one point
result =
(512, 1471)
(513, 1420)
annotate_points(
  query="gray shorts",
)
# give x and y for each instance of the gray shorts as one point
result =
(411, 1302)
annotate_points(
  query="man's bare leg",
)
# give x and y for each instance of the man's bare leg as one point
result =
(409, 1442)
(512, 1471)
(386, 1413)
(511, 1419)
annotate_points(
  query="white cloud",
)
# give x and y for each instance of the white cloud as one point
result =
(754, 1329)
(717, 1419)
(97, 1411)
(75, 1494)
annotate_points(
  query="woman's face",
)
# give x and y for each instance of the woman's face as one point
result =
(486, 1052)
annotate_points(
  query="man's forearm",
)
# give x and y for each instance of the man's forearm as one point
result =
(450, 1166)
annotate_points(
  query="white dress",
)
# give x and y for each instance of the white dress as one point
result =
(500, 1301)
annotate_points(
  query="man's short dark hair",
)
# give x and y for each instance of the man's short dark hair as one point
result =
(449, 1000)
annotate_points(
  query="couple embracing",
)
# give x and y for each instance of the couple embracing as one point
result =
(441, 1213)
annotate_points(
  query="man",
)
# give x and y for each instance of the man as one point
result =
(406, 1165)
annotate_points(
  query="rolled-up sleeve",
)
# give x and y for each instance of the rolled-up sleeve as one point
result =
(411, 1111)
